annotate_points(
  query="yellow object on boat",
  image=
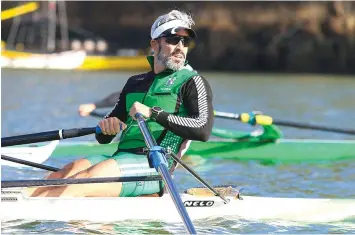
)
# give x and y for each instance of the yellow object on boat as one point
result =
(73, 60)
(115, 63)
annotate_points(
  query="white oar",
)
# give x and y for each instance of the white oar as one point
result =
(158, 161)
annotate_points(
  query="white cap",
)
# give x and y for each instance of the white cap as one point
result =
(170, 27)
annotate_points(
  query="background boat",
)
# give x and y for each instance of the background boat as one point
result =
(45, 19)
(280, 150)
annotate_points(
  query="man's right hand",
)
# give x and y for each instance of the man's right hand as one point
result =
(111, 126)
(86, 109)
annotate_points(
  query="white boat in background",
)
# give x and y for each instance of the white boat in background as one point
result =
(88, 54)
(15, 205)
(14, 53)
(29, 153)
(67, 60)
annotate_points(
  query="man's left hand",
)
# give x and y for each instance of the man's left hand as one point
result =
(140, 108)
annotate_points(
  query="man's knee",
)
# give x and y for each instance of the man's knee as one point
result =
(73, 168)
(82, 174)
(56, 175)
(107, 168)
(78, 164)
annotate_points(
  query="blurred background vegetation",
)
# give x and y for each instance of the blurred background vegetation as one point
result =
(302, 37)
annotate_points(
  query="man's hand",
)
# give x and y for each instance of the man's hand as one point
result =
(111, 126)
(86, 109)
(140, 108)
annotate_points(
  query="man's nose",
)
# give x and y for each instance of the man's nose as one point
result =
(180, 44)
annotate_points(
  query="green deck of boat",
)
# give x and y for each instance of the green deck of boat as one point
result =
(282, 150)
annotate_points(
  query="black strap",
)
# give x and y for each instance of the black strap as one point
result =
(139, 151)
(162, 188)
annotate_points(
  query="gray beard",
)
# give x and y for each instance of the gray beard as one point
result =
(168, 62)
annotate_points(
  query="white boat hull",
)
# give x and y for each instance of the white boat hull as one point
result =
(16, 206)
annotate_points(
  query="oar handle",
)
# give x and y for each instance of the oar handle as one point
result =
(149, 140)
(48, 136)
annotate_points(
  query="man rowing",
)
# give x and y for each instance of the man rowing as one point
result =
(177, 103)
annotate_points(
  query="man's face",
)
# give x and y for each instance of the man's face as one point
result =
(171, 51)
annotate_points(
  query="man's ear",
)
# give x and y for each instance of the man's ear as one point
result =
(154, 45)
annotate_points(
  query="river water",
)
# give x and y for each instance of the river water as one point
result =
(35, 101)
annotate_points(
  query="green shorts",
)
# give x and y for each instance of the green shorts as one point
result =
(132, 165)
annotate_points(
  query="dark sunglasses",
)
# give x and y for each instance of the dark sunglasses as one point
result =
(175, 39)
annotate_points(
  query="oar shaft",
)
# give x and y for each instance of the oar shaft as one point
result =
(227, 115)
(57, 182)
(159, 161)
(262, 119)
(48, 136)
(96, 114)
(174, 193)
(313, 127)
(149, 140)
(28, 163)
